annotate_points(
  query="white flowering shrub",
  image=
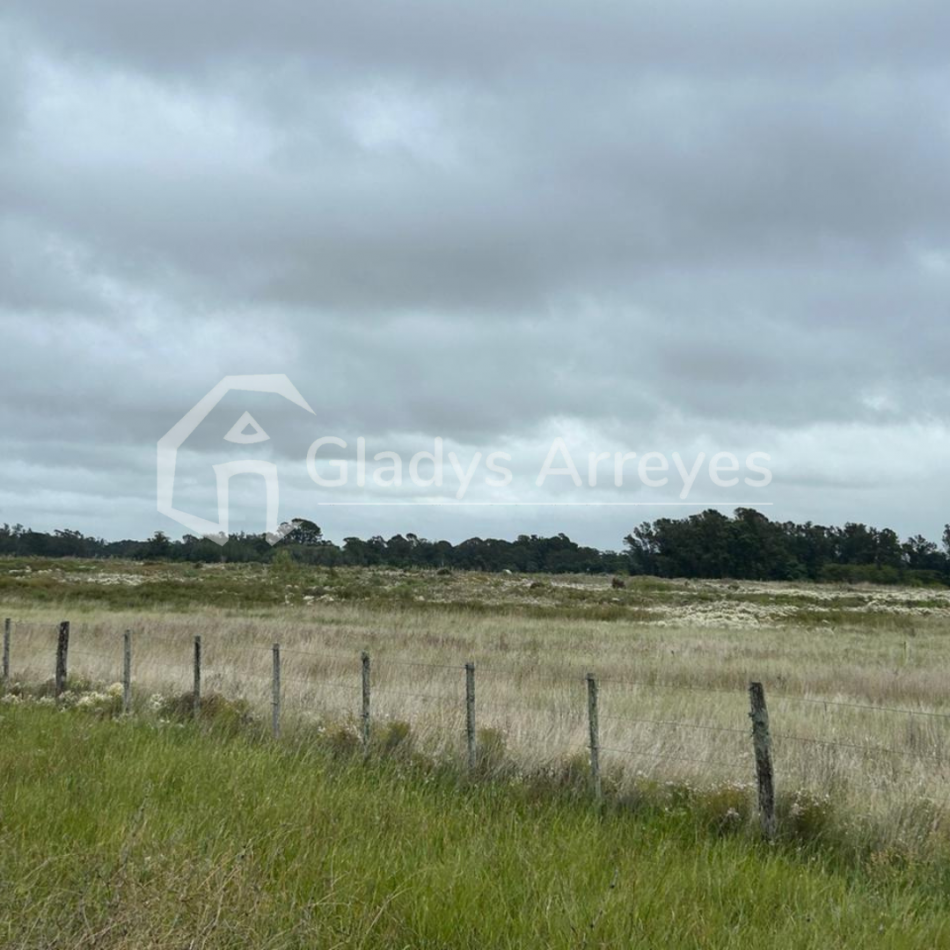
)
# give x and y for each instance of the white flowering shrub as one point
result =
(104, 701)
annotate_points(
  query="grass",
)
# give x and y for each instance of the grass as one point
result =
(673, 689)
(864, 812)
(122, 834)
(175, 587)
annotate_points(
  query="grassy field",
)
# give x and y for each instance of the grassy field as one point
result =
(130, 834)
(855, 678)
(253, 587)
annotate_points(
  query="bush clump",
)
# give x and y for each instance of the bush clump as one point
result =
(342, 740)
(393, 738)
(228, 715)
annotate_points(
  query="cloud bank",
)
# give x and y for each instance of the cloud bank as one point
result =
(677, 228)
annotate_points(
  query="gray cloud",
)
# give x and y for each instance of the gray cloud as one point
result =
(691, 225)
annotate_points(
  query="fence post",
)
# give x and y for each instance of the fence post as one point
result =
(6, 649)
(196, 690)
(594, 736)
(127, 672)
(62, 657)
(470, 715)
(762, 743)
(366, 698)
(275, 690)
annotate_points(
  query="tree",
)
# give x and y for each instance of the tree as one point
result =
(158, 546)
(920, 554)
(305, 532)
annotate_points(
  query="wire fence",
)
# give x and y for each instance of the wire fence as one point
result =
(603, 715)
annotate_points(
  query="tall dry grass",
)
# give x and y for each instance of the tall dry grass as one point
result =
(673, 700)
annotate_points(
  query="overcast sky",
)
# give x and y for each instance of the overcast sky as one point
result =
(677, 227)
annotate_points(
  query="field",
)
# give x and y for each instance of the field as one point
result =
(119, 834)
(855, 677)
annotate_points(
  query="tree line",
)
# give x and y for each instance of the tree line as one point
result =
(306, 544)
(748, 546)
(744, 546)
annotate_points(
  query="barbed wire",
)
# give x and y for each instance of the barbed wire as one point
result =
(384, 693)
(526, 707)
(868, 706)
(530, 673)
(685, 687)
(387, 661)
(141, 637)
(677, 724)
(213, 658)
(579, 677)
(236, 675)
(99, 656)
(319, 707)
(315, 685)
(863, 748)
(726, 763)
(348, 658)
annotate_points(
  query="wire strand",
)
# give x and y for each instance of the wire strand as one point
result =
(865, 749)
(675, 758)
(676, 724)
(874, 708)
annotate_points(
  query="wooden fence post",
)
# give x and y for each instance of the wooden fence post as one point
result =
(6, 649)
(470, 715)
(275, 691)
(62, 658)
(762, 743)
(196, 689)
(127, 672)
(594, 736)
(366, 699)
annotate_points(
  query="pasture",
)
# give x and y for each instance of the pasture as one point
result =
(855, 678)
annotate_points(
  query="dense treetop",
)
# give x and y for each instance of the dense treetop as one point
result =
(746, 546)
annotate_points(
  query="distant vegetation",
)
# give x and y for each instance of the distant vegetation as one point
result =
(745, 546)
(748, 546)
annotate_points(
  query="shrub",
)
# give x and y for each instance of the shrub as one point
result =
(393, 738)
(804, 815)
(570, 774)
(724, 808)
(342, 740)
(282, 563)
(105, 703)
(227, 715)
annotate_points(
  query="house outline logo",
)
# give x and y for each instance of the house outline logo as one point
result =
(172, 441)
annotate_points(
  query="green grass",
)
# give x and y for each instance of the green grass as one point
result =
(126, 834)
